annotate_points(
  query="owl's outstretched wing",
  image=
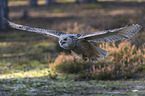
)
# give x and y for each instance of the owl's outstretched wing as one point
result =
(46, 32)
(112, 35)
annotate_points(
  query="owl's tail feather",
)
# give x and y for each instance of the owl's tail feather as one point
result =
(101, 53)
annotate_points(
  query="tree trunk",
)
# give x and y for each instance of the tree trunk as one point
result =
(33, 2)
(86, 1)
(49, 2)
(3, 13)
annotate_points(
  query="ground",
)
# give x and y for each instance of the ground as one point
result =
(66, 86)
(25, 57)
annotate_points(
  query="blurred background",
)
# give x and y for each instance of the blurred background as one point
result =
(25, 54)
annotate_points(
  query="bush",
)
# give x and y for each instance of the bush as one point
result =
(123, 61)
(67, 64)
(112, 71)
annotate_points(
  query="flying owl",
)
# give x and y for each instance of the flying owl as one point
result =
(83, 44)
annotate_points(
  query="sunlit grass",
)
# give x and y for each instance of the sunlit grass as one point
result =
(32, 73)
(42, 2)
(23, 2)
(57, 10)
(5, 44)
(63, 1)
(44, 44)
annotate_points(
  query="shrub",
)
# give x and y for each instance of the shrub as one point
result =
(123, 61)
(112, 71)
(67, 64)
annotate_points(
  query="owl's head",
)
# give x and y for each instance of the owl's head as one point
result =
(65, 41)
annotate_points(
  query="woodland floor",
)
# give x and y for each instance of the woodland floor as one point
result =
(24, 56)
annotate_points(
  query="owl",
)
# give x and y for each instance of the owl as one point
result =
(83, 44)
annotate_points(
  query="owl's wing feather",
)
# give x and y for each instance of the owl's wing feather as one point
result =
(112, 35)
(46, 32)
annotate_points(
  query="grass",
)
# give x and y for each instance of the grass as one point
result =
(46, 86)
(25, 57)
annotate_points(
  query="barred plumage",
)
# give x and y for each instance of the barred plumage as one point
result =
(82, 44)
(112, 35)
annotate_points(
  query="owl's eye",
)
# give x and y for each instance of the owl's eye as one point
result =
(65, 39)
